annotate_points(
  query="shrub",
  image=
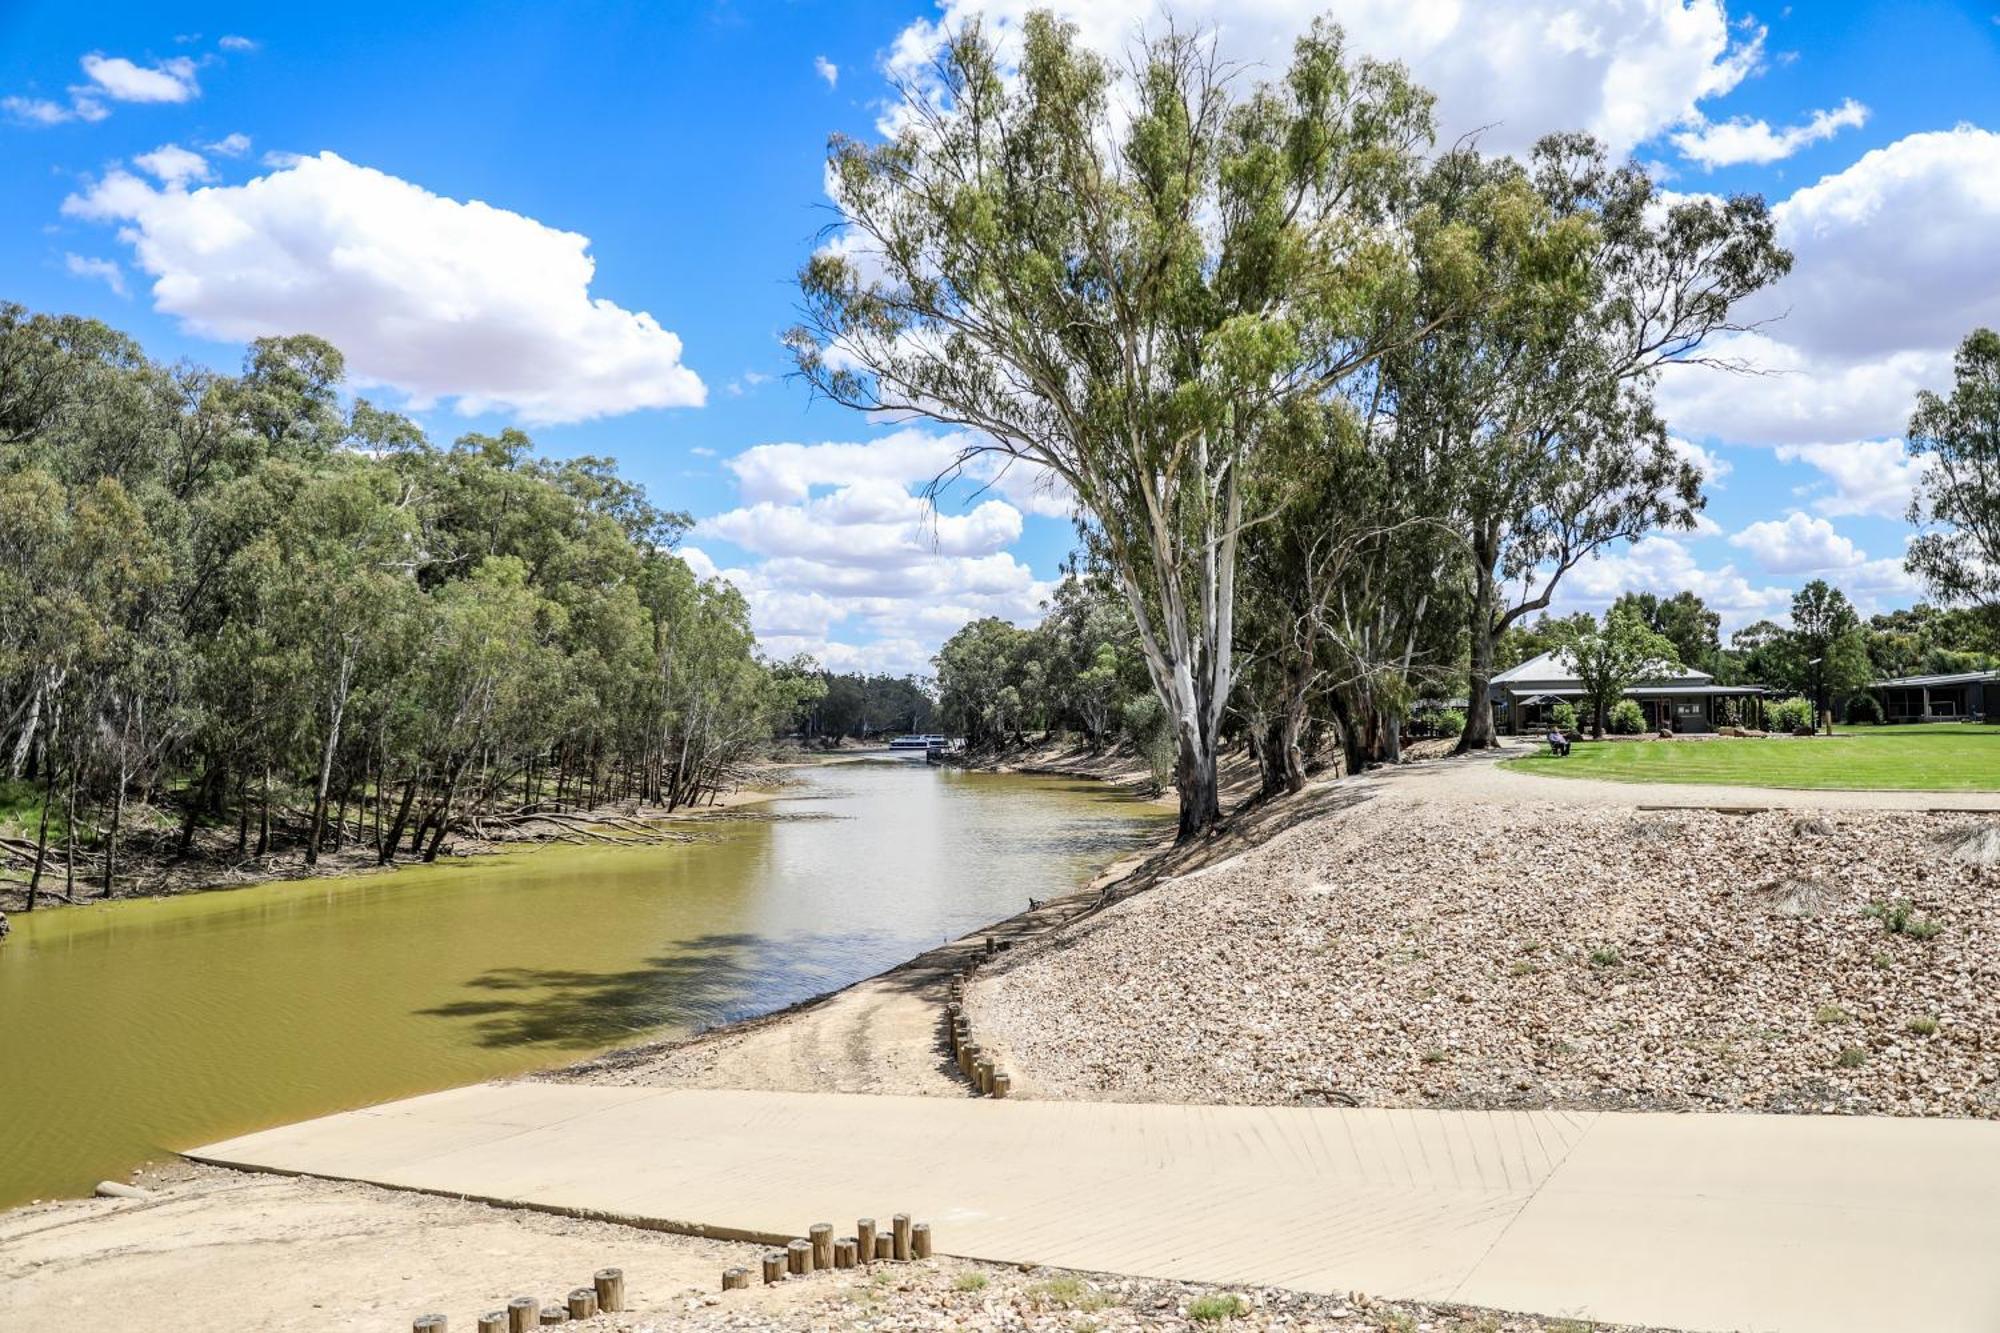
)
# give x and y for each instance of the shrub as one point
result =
(970, 1282)
(1924, 1026)
(1215, 1309)
(1864, 708)
(1832, 1013)
(1790, 715)
(1852, 1057)
(1605, 957)
(1626, 718)
(1145, 723)
(1564, 716)
(1899, 917)
(1450, 721)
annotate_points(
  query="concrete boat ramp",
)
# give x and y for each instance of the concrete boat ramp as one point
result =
(1686, 1221)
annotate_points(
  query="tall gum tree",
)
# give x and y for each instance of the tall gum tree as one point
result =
(1534, 408)
(1122, 280)
(1957, 504)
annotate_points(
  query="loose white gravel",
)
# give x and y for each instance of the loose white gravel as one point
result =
(1419, 952)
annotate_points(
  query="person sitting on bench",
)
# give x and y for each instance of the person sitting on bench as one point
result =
(1558, 743)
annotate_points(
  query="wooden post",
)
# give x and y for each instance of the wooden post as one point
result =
(735, 1279)
(521, 1312)
(885, 1248)
(495, 1322)
(983, 1073)
(901, 1224)
(583, 1303)
(846, 1252)
(920, 1241)
(553, 1313)
(822, 1245)
(799, 1257)
(610, 1284)
(864, 1240)
(1002, 1084)
(774, 1266)
(429, 1323)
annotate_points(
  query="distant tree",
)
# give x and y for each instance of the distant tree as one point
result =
(1828, 651)
(1957, 504)
(1683, 618)
(1610, 659)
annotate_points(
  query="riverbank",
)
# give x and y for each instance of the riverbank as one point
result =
(154, 867)
(1536, 953)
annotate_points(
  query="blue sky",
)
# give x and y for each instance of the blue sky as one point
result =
(584, 219)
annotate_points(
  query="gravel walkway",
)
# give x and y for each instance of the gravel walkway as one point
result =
(1441, 945)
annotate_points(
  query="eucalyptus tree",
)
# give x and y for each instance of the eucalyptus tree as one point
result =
(1535, 405)
(1957, 504)
(1121, 282)
(1610, 658)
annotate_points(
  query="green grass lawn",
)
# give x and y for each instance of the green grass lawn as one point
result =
(1940, 757)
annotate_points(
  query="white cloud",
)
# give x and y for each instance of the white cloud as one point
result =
(1624, 69)
(851, 564)
(1739, 140)
(436, 297)
(35, 111)
(1871, 477)
(102, 270)
(1799, 544)
(1895, 263)
(1664, 566)
(910, 456)
(230, 145)
(173, 165)
(827, 70)
(232, 42)
(123, 81)
(1713, 466)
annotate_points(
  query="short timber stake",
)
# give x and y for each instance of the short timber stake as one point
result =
(429, 1323)
(496, 1322)
(521, 1312)
(583, 1303)
(735, 1279)
(799, 1258)
(610, 1284)
(774, 1267)
(920, 1241)
(844, 1252)
(901, 1223)
(864, 1240)
(885, 1248)
(821, 1234)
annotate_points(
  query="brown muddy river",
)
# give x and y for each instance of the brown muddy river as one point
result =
(138, 1027)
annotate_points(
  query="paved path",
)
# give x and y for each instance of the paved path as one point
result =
(1698, 1222)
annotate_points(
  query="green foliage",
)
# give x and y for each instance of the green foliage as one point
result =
(1563, 714)
(1216, 1307)
(1450, 721)
(1787, 715)
(233, 589)
(1684, 620)
(1611, 659)
(1922, 1026)
(1605, 956)
(1626, 718)
(969, 1282)
(1957, 504)
(1863, 709)
(1146, 725)
(1899, 917)
(1851, 1057)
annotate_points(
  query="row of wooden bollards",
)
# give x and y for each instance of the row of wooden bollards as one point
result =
(975, 1064)
(819, 1250)
(605, 1294)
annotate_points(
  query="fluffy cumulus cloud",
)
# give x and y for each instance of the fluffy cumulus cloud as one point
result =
(99, 270)
(846, 560)
(1741, 140)
(827, 70)
(1624, 69)
(1798, 544)
(1895, 264)
(124, 80)
(1867, 477)
(1665, 565)
(173, 164)
(439, 298)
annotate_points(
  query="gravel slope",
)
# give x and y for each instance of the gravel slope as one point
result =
(1427, 951)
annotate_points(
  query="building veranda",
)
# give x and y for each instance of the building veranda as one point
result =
(1681, 700)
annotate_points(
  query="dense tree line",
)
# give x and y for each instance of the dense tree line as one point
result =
(1339, 410)
(289, 622)
(860, 706)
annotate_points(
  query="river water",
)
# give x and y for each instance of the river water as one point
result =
(139, 1027)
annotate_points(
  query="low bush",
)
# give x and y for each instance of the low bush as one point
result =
(1864, 709)
(1564, 716)
(1899, 917)
(1450, 721)
(1626, 718)
(1215, 1309)
(1145, 723)
(1851, 1057)
(1924, 1026)
(1790, 715)
(1605, 957)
